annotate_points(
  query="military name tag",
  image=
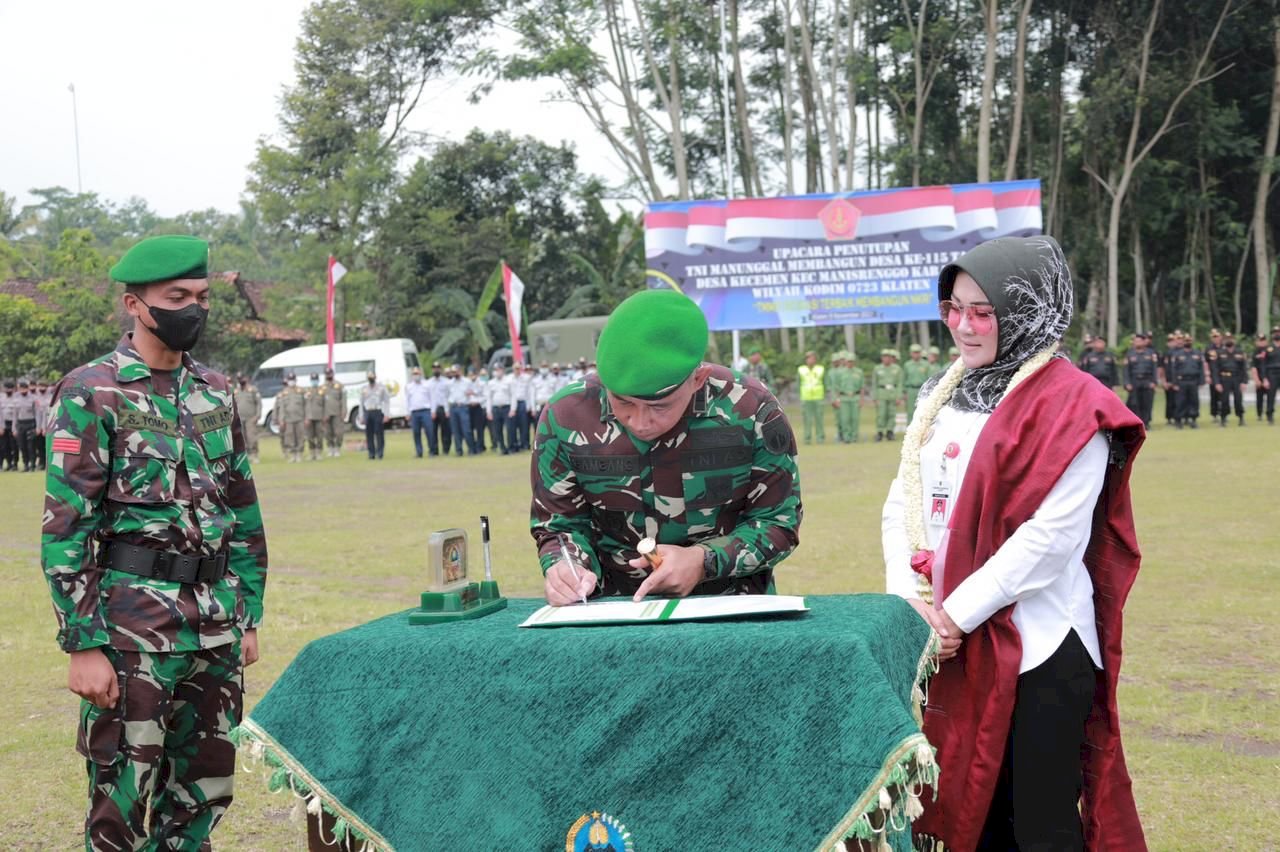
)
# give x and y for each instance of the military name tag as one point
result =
(131, 419)
(605, 465)
(211, 420)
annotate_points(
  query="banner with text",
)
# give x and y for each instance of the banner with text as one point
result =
(808, 260)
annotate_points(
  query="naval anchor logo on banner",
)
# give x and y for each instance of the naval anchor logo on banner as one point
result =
(598, 832)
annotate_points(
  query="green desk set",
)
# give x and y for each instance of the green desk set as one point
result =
(450, 596)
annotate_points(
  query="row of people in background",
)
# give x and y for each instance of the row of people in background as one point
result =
(845, 388)
(1182, 369)
(458, 410)
(23, 408)
(309, 416)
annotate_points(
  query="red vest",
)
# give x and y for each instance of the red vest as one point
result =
(1024, 448)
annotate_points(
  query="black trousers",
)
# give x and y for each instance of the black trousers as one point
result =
(478, 426)
(1216, 402)
(1274, 379)
(1036, 803)
(1170, 403)
(441, 431)
(26, 443)
(1231, 391)
(374, 438)
(1188, 400)
(9, 443)
(1140, 400)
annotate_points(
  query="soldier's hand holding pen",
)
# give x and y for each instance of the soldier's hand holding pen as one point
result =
(680, 570)
(564, 585)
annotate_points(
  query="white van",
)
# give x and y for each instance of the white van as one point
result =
(391, 359)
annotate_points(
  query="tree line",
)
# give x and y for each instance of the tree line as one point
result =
(1151, 123)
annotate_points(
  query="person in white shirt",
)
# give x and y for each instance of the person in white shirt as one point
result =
(521, 404)
(994, 531)
(497, 408)
(458, 395)
(439, 436)
(417, 396)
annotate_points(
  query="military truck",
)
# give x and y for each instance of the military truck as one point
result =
(561, 341)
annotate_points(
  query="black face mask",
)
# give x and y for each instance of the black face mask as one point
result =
(179, 330)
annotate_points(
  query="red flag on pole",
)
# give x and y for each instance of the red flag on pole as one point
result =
(513, 294)
(336, 271)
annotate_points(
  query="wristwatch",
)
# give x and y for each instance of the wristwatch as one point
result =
(710, 564)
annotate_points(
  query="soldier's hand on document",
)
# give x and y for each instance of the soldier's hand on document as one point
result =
(680, 571)
(566, 585)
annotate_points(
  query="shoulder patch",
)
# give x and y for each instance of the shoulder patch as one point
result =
(776, 431)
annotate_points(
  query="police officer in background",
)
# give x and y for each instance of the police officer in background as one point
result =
(1187, 364)
(1258, 365)
(1230, 372)
(1172, 344)
(313, 406)
(290, 413)
(1141, 375)
(335, 413)
(44, 402)
(439, 436)
(249, 407)
(1271, 373)
(1099, 363)
(24, 423)
(1216, 401)
(9, 436)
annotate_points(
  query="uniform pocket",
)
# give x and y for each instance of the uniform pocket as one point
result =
(100, 737)
(143, 467)
(217, 442)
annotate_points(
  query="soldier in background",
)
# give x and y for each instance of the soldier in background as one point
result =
(914, 373)
(953, 355)
(1271, 373)
(934, 360)
(1141, 375)
(1258, 363)
(1230, 372)
(1187, 364)
(757, 368)
(24, 423)
(1099, 363)
(313, 412)
(1216, 407)
(290, 413)
(616, 462)
(887, 391)
(249, 406)
(335, 413)
(9, 434)
(1172, 345)
(846, 396)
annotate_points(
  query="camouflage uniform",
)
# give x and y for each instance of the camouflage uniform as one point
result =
(335, 415)
(727, 480)
(313, 412)
(249, 407)
(157, 461)
(289, 413)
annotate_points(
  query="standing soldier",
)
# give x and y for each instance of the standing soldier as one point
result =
(335, 413)
(249, 407)
(1141, 375)
(758, 369)
(1099, 363)
(156, 559)
(661, 445)
(953, 355)
(1211, 352)
(887, 390)
(1230, 372)
(374, 403)
(914, 373)
(812, 390)
(1271, 373)
(1187, 365)
(934, 360)
(290, 413)
(1172, 345)
(9, 433)
(313, 411)
(24, 423)
(1259, 364)
(846, 397)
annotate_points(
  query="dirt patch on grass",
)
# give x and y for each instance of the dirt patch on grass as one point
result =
(1227, 743)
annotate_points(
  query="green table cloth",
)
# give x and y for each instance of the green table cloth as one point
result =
(774, 733)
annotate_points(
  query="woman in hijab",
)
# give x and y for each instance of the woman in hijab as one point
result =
(1009, 529)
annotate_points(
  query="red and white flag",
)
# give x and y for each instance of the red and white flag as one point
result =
(336, 271)
(513, 294)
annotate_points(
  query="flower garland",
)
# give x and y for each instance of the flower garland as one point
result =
(913, 487)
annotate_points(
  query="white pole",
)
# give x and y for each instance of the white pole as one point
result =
(728, 152)
(75, 120)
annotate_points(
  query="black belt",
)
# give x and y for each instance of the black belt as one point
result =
(163, 564)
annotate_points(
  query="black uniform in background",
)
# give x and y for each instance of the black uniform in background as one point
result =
(1228, 371)
(1271, 372)
(1188, 375)
(1140, 367)
(1216, 400)
(1259, 363)
(1170, 388)
(1102, 366)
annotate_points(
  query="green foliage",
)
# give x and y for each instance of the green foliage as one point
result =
(25, 329)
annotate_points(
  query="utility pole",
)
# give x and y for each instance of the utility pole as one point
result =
(75, 120)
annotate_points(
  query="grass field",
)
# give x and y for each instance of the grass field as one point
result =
(1199, 692)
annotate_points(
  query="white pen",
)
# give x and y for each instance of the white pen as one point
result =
(564, 551)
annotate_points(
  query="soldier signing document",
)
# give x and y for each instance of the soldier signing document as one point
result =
(657, 444)
(156, 559)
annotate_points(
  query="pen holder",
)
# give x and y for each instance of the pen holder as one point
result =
(474, 600)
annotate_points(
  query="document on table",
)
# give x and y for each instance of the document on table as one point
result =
(675, 609)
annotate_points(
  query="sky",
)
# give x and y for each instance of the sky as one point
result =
(172, 96)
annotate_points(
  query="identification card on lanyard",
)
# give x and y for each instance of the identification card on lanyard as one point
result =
(942, 489)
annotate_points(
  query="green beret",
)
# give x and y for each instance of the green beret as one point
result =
(652, 342)
(166, 258)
